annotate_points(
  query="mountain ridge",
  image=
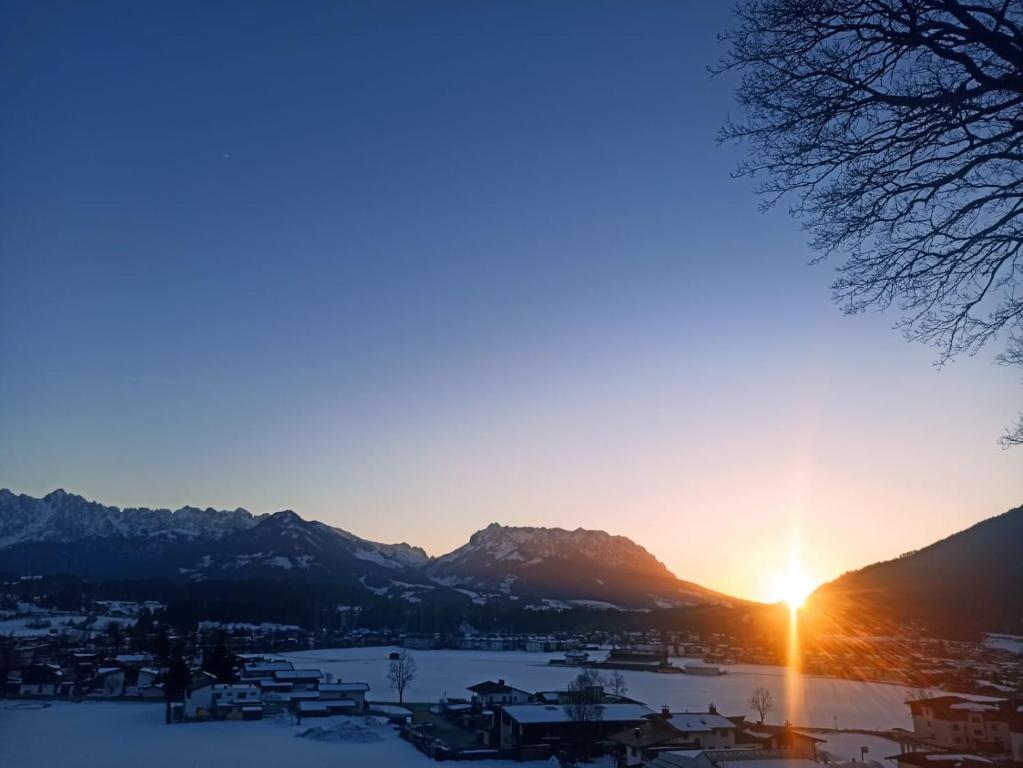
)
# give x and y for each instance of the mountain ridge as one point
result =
(539, 565)
(970, 580)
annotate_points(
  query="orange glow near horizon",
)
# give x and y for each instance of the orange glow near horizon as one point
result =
(793, 588)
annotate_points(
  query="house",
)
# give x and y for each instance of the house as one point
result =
(260, 668)
(303, 708)
(109, 681)
(198, 700)
(749, 757)
(940, 760)
(40, 680)
(670, 731)
(354, 692)
(964, 723)
(533, 731)
(490, 694)
(234, 701)
(777, 737)
(300, 679)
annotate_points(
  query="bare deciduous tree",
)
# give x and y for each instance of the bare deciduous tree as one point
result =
(586, 705)
(761, 701)
(616, 684)
(897, 128)
(401, 674)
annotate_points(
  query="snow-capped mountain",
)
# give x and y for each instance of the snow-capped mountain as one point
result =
(538, 567)
(63, 516)
(582, 567)
(64, 532)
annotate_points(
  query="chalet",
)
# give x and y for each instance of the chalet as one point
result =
(352, 692)
(236, 701)
(777, 737)
(40, 680)
(259, 668)
(109, 682)
(964, 723)
(673, 731)
(531, 731)
(748, 757)
(940, 760)
(300, 679)
(198, 700)
(490, 694)
(302, 708)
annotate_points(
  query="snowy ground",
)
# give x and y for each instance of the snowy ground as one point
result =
(118, 735)
(808, 701)
(128, 735)
(123, 735)
(846, 747)
(58, 624)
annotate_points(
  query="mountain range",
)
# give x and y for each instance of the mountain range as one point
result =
(540, 568)
(971, 581)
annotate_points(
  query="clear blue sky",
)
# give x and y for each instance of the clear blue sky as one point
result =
(410, 268)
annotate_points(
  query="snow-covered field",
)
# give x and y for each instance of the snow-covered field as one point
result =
(810, 701)
(19, 627)
(128, 735)
(847, 746)
(123, 735)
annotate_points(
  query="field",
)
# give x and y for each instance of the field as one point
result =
(812, 701)
(123, 735)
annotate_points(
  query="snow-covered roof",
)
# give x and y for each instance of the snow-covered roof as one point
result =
(298, 674)
(699, 721)
(552, 713)
(344, 687)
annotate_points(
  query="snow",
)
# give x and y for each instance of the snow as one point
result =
(843, 747)
(815, 701)
(1011, 643)
(126, 735)
(58, 624)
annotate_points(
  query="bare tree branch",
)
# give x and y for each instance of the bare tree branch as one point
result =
(896, 128)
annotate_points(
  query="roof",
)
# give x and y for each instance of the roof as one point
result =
(655, 731)
(553, 713)
(344, 687)
(341, 703)
(489, 687)
(941, 759)
(699, 721)
(750, 758)
(297, 674)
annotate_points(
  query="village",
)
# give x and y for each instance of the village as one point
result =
(212, 674)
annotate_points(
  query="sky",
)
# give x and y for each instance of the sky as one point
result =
(412, 268)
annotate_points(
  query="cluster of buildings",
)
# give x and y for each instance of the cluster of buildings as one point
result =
(983, 727)
(269, 685)
(499, 719)
(88, 674)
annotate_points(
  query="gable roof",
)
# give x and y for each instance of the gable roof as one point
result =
(489, 687)
(553, 713)
(655, 731)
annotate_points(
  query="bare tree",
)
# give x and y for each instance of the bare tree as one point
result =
(585, 706)
(401, 674)
(896, 127)
(761, 701)
(616, 684)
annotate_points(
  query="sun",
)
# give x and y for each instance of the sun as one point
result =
(794, 588)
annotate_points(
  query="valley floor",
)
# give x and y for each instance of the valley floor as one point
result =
(802, 699)
(125, 735)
